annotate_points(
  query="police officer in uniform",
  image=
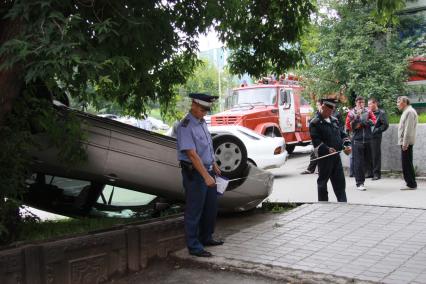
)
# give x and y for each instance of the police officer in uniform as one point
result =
(328, 138)
(196, 156)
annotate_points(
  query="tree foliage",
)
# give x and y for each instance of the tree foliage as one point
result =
(357, 55)
(204, 79)
(264, 35)
(136, 51)
(130, 52)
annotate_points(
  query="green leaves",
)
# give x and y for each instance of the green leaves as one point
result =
(385, 11)
(357, 55)
(145, 48)
(264, 35)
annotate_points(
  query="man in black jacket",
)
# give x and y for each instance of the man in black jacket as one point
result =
(360, 120)
(382, 124)
(328, 140)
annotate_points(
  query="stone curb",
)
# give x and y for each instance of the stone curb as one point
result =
(288, 275)
(92, 257)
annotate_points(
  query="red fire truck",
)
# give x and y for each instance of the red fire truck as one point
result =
(271, 108)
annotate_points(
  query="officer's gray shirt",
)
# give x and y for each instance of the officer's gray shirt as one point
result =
(193, 134)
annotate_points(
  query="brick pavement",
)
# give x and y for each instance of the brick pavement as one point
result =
(362, 242)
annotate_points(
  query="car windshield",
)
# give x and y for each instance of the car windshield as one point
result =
(266, 96)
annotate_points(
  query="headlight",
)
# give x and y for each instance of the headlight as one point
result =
(278, 150)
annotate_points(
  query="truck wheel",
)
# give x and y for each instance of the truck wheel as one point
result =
(290, 148)
(230, 154)
(272, 132)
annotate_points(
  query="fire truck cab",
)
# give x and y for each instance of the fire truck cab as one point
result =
(271, 108)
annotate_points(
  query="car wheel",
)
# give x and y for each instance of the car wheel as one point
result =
(230, 154)
(290, 148)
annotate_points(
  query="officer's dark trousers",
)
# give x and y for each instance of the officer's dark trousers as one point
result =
(358, 153)
(331, 168)
(312, 164)
(407, 167)
(200, 210)
(376, 156)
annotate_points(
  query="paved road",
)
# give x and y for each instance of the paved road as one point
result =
(291, 186)
(171, 271)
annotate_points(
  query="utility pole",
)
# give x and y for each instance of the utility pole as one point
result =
(220, 88)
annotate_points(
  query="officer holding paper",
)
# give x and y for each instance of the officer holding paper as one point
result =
(196, 156)
(328, 140)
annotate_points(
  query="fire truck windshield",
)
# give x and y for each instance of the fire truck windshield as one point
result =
(266, 96)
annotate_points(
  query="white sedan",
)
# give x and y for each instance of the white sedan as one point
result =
(263, 152)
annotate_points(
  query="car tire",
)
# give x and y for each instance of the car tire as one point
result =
(251, 162)
(290, 148)
(230, 155)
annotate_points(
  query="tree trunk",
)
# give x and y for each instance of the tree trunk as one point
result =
(12, 79)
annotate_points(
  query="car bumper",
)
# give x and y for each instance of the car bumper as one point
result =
(276, 161)
(255, 188)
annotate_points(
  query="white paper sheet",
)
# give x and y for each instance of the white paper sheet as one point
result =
(221, 184)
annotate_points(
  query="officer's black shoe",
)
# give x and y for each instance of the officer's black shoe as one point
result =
(375, 178)
(370, 176)
(213, 242)
(202, 253)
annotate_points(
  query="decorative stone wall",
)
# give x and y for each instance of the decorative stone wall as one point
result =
(92, 258)
(391, 152)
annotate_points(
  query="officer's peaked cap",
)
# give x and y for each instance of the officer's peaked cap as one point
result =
(331, 103)
(203, 99)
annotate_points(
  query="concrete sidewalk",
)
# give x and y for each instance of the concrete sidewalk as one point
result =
(327, 243)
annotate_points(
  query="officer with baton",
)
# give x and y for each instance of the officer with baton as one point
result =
(329, 140)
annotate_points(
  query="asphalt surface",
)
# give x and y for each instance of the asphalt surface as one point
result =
(172, 271)
(291, 186)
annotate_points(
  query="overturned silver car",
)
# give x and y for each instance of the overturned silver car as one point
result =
(125, 156)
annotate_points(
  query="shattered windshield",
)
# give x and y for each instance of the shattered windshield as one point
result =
(266, 96)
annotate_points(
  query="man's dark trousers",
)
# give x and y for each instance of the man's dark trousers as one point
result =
(358, 151)
(376, 156)
(200, 210)
(407, 167)
(331, 168)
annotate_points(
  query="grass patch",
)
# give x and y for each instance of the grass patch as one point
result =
(278, 207)
(155, 113)
(42, 230)
(394, 118)
(33, 229)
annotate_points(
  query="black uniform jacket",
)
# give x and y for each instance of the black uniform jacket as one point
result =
(327, 135)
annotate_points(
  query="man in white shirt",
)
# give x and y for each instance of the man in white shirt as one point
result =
(406, 138)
